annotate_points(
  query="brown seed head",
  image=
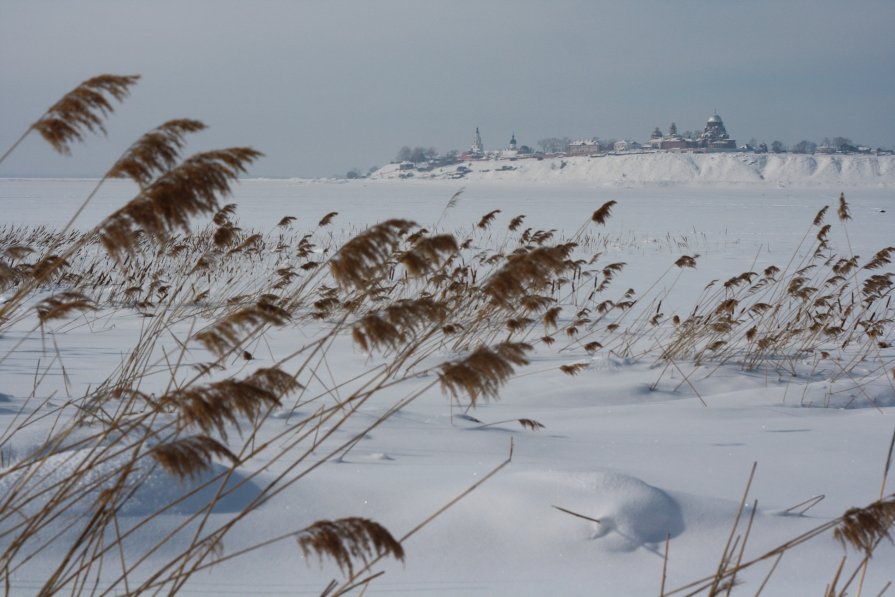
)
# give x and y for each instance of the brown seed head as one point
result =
(864, 528)
(327, 219)
(601, 215)
(82, 110)
(483, 372)
(487, 219)
(171, 200)
(842, 212)
(819, 218)
(348, 540)
(190, 456)
(360, 260)
(155, 152)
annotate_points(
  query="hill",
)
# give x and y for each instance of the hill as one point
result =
(778, 170)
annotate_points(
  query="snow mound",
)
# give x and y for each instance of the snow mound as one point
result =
(666, 168)
(7, 399)
(858, 390)
(150, 486)
(632, 513)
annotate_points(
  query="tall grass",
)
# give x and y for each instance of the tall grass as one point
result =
(193, 400)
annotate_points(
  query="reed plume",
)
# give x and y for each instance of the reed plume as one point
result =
(483, 372)
(843, 212)
(227, 333)
(573, 369)
(527, 272)
(397, 322)
(225, 235)
(62, 305)
(327, 219)
(45, 266)
(601, 215)
(359, 260)
(864, 528)
(686, 261)
(455, 198)
(427, 253)
(515, 223)
(16, 252)
(487, 219)
(531, 424)
(82, 110)
(190, 456)
(347, 540)
(212, 406)
(8, 275)
(534, 302)
(223, 216)
(189, 189)
(155, 152)
(551, 316)
(882, 257)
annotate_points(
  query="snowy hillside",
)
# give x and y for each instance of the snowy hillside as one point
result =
(778, 170)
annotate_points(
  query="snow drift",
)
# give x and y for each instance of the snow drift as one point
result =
(778, 170)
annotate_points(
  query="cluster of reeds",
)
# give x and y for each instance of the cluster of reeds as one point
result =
(861, 529)
(192, 397)
(395, 289)
(822, 307)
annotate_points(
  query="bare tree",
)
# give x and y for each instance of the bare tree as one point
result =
(416, 155)
(843, 144)
(804, 147)
(554, 144)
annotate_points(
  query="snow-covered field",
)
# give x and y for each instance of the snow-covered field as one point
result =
(658, 450)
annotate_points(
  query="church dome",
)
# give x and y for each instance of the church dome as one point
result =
(714, 119)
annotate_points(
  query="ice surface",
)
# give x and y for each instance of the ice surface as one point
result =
(625, 441)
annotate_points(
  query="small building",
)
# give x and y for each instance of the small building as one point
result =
(625, 145)
(583, 147)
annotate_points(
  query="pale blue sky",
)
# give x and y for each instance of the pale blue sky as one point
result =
(324, 86)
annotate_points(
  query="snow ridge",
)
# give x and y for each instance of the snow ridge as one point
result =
(666, 168)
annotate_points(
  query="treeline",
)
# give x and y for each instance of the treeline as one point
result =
(836, 144)
(423, 154)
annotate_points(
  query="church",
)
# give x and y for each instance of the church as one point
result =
(714, 137)
(477, 150)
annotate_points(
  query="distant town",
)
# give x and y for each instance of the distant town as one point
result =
(712, 138)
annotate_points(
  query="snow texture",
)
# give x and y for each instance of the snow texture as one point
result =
(624, 443)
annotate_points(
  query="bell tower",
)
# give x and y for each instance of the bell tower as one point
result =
(477, 147)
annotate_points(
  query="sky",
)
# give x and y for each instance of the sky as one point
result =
(325, 86)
